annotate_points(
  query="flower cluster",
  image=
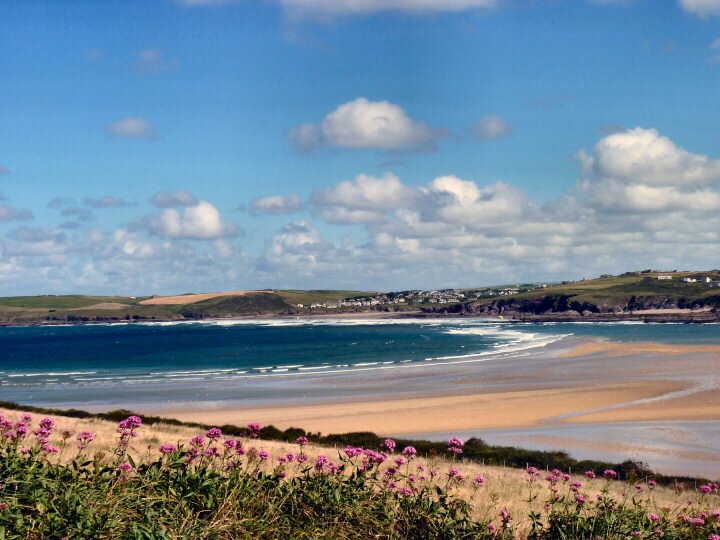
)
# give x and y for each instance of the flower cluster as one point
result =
(455, 446)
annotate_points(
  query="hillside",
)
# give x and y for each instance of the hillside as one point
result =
(631, 296)
(676, 296)
(50, 309)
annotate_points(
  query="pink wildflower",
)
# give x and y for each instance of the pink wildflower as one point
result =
(389, 445)
(214, 434)
(455, 445)
(410, 452)
(230, 444)
(609, 473)
(254, 428)
(84, 438)
(654, 518)
(320, 462)
(197, 441)
(479, 480)
(302, 440)
(167, 449)
(591, 475)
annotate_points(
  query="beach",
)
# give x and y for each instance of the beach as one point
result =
(570, 397)
(619, 391)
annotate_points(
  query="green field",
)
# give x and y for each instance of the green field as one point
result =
(628, 291)
(78, 308)
(61, 302)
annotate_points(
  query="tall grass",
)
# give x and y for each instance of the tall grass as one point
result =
(54, 485)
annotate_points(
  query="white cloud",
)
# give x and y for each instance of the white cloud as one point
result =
(199, 222)
(131, 127)
(644, 156)
(703, 8)
(362, 200)
(491, 128)
(276, 204)
(173, 199)
(616, 197)
(365, 124)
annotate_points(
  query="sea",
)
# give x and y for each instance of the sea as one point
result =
(99, 364)
(161, 366)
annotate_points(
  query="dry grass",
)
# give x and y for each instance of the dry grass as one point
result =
(506, 488)
(188, 298)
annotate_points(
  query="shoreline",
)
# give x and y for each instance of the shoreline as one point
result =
(656, 316)
(564, 398)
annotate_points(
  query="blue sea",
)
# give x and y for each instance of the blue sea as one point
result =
(143, 363)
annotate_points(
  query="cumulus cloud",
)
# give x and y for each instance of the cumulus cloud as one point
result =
(276, 204)
(363, 200)
(703, 8)
(153, 62)
(641, 200)
(131, 127)
(492, 127)
(640, 170)
(365, 124)
(199, 222)
(107, 201)
(644, 156)
(173, 199)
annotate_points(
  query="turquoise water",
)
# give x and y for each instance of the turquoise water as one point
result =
(96, 364)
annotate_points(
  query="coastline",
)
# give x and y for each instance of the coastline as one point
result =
(658, 316)
(555, 397)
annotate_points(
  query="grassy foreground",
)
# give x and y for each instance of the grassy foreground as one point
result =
(88, 478)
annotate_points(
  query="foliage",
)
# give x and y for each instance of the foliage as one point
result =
(216, 486)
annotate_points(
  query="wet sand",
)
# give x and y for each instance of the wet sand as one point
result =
(568, 388)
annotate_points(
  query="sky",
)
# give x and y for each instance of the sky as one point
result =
(170, 146)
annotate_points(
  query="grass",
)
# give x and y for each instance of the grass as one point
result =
(629, 292)
(76, 308)
(115, 491)
(61, 302)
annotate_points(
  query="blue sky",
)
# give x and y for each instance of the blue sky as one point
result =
(366, 143)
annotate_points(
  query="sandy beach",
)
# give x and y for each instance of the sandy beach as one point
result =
(589, 383)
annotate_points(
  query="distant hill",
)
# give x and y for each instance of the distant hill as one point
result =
(76, 308)
(647, 295)
(687, 296)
